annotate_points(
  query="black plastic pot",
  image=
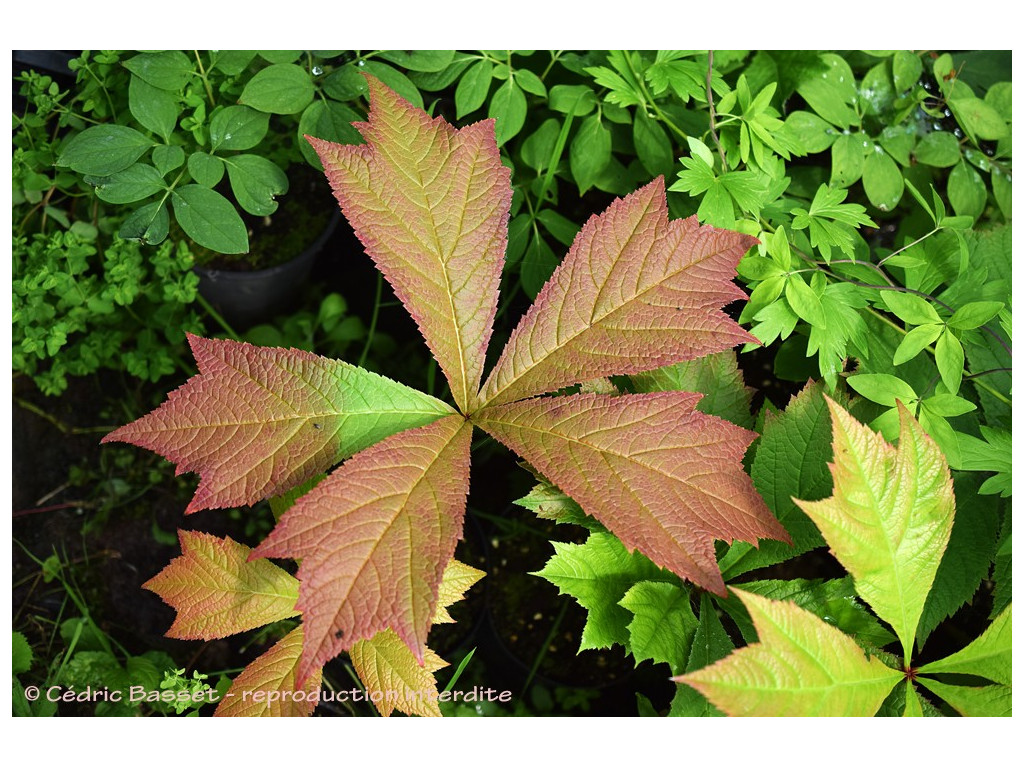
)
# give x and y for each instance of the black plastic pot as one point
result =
(244, 299)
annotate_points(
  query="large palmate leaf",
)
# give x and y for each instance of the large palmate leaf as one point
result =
(989, 656)
(257, 421)
(801, 667)
(374, 539)
(430, 204)
(217, 591)
(269, 687)
(889, 518)
(663, 477)
(635, 292)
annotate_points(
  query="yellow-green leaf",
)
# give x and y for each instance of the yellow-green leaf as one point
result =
(394, 679)
(990, 655)
(799, 667)
(890, 516)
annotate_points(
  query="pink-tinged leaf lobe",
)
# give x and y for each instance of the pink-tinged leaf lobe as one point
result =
(663, 477)
(394, 678)
(374, 539)
(430, 204)
(217, 591)
(257, 421)
(635, 292)
(268, 686)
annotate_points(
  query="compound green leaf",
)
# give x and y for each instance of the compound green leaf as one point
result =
(663, 477)
(791, 462)
(800, 666)
(598, 574)
(430, 204)
(889, 518)
(983, 701)
(217, 591)
(989, 656)
(256, 421)
(374, 539)
(635, 292)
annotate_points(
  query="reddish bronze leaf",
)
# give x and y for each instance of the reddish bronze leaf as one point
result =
(663, 477)
(430, 204)
(635, 292)
(217, 591)
(268, 686)
(257, 421)
(374, 539)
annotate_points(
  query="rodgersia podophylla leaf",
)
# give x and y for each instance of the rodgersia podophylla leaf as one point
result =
(889, 517)
(217, 591)
(374, 539)
(635, 292)
(663, 477)
(799, 667)
(257, 421)
(268, 687)
(430, 204)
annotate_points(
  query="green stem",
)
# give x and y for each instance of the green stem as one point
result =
(544, 647)
(217, 316)
(206, 83)
(711, 108)
(373, 322)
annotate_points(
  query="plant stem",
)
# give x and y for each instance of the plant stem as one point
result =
(217, 316)
(373, 323)
(711, 108)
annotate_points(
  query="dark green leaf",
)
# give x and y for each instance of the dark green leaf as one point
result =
(395, 80)
(966, 191)
(539, 262)
(167, 158)
(327, 120)
(420, 61)
(256, 181)
(148, 224)
(847, 160)
(205, 169)
(471, 92)
(508, 108)
(577, 100)
(167, 70)
(134, 183)
(154, 108)
(939, 149)
(652, 145)
(238, 127)
(104, 149)
(209, 219)
(590, 152)
(883, 182)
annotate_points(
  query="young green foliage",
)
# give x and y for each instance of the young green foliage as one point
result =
(635, 291)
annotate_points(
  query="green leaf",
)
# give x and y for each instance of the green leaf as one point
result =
(577, 100)
(539, 262)
(394, 79)
(966, 191)
(883, 182)
(986, 701)
(653, 147)
(833, 92)
(590, 152)
(883, 388)
(663, 623)
(508, 108)
(154, 108)
(906, 70)
(710, 643)
(148, 224)
(563, 230)
(21, 653)
(206, 169)
(847, 160)
(530, 83)
(949, 357)
(989, 656)
(471, 92)
(979, 119)
(238, 127)
(255, 180)
(330, 121)
(801, 666)
(910, 308)
(168, 158)
(134, 183)
(939, 149)
(974, 314)
(816, 135)
(103, 150)
(419, 60)
(281, 89)
(804, 301)
(167, 70)
(791, 462)
(916, 340)
(716, 376)
(889, 518)
(209, 219)
(598, 574)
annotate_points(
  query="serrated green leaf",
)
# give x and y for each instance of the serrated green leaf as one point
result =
(21, 653)
(889, 518)
(984, 701)
(663, 623)
(717, 376)
(801, 666)
(598, 574)
(989, 656)
(710, 643)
